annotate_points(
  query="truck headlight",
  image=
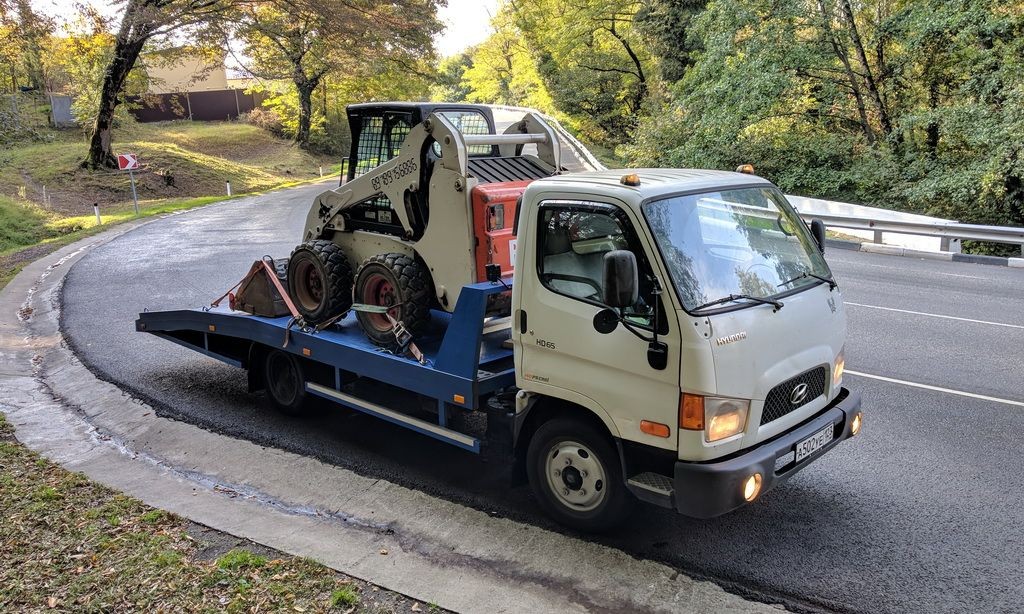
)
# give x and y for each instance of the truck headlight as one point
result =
(837, 371)
(724, 417)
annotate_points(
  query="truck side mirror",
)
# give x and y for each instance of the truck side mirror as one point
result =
(818, 230)
(619, 279)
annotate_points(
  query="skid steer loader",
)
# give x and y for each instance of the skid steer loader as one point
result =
(427, 205)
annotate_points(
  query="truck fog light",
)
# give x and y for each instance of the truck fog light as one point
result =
(752, 487)
(856, 423)
(724, 417)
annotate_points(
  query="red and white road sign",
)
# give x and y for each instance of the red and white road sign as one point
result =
(127, 162)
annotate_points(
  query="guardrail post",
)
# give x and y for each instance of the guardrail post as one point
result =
(878, 236)
(948, 244)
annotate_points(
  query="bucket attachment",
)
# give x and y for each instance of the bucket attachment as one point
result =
(262, 291)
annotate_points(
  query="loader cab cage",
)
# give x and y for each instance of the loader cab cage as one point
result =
(378, 131)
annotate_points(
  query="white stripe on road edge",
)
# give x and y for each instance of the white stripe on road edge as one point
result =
(934, 315)
(937, 389)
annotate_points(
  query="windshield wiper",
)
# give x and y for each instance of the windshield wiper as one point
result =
(831, 282)
(740, 297)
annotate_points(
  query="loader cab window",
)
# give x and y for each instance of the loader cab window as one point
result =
(468, 122)
(572, 241)
(380, 139)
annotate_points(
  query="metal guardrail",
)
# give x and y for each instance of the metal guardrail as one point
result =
(947, 231)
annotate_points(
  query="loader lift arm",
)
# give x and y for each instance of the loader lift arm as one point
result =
(400, 179)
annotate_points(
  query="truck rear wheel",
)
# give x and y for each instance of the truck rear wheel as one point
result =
(399, 282)
(575, 473)
(285, 382)
(319, 281)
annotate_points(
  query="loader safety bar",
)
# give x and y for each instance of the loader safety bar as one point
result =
(504, 139)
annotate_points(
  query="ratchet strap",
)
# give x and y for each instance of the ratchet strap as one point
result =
(402, 335)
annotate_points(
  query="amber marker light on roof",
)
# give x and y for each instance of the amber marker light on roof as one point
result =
(745, 168)
(631, 179)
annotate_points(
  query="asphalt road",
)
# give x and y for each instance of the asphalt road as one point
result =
(921, 513)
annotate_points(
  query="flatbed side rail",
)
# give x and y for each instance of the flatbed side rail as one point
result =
(452, 373)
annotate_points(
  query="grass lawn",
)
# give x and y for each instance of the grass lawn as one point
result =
(71, 545)
(180, 159)
(186, 164)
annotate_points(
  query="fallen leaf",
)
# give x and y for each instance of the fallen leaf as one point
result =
(51, 602)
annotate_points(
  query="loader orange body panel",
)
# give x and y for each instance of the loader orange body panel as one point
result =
(494, 216)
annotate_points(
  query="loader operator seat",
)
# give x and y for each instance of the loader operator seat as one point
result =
(563, 264)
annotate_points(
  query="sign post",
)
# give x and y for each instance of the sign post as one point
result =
(130, 162)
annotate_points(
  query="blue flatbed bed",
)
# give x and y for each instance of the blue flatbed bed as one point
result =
(464, 360)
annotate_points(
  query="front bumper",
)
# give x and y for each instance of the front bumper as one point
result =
(706, 490)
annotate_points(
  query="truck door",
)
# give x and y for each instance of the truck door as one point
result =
(560, 291)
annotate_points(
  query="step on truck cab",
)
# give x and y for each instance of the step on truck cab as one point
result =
(675, 336)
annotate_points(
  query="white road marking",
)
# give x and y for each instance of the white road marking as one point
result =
(934, 315)
(938, 389)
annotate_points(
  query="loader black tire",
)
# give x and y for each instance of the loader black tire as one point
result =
(319, 281)
(396, 280)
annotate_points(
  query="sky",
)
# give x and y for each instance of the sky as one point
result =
(467, 22)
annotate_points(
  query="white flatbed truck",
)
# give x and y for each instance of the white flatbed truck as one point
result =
(675, 337)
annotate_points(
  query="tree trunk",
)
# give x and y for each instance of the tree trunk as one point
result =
(305, 85)
(840, 51)
(932, 131)
(135, 30)
(869, 77)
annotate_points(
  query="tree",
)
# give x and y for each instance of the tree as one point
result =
(142, 21)
(449, 84)
(305, 42)
(591, 60)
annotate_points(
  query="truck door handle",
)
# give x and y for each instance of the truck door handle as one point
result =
(522, 321)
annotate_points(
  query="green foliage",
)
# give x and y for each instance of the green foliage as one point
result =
(21, 223)
(346, 596)
(241, 559)
(915, 105)
(75, 65)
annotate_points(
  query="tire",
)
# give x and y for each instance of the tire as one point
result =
(285, 383)
(319, 281)
(576, 475)
(398, 281)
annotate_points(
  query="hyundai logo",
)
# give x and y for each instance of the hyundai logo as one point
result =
(799, 394)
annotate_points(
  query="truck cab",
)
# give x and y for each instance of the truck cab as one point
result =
(688, 318)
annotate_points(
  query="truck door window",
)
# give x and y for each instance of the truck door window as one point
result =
(572, 242)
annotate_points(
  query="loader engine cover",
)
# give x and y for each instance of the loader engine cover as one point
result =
(494, 215)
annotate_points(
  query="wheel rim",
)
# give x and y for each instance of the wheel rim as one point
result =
(576, 476)
(282, 378)
(310, 287)
(378, 290)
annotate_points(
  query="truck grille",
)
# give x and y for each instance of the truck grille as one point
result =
(778, 403)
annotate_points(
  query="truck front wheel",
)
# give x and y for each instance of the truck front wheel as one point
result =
(576, 475)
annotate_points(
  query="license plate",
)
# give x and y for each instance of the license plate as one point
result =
(814, 443)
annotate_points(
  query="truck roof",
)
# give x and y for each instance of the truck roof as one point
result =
(654, 182)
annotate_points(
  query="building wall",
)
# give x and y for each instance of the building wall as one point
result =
(187, 74)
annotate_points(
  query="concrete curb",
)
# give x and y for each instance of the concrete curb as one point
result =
(895, 250)
(428, 548)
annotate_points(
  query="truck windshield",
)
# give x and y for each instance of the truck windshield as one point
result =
(744, 241)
